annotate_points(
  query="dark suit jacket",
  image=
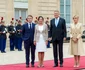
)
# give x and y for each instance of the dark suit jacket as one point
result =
(59, 32)
(28, 33)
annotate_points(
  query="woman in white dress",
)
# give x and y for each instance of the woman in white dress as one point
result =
(41, 39)
(76, 44)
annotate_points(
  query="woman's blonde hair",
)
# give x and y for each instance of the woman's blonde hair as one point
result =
(76, 16)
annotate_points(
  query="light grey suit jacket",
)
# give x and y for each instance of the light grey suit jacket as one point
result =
(44, 33)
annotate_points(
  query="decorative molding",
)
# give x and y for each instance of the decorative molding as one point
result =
(21, 5)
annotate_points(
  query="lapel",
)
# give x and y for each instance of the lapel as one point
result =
(27, 26)
(58, 22)
(37, 27)
(54, 22)
(43, 26)
(32, 25)
(76, 26)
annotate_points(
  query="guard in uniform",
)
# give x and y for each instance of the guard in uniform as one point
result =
(25, 21)
(16, 22)
(3, 31)
(12, 35)
(0, 36)
(19, 35)
(16, 34)
(48, 25)
(36, 21)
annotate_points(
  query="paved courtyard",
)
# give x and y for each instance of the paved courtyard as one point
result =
(16, 57)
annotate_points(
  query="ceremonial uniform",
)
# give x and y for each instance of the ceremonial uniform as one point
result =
(3, 31)
(48, 26)
(16, 47)
(0, 36)
(12, 34)
(19, 37)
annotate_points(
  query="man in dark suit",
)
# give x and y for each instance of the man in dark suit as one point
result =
(28, 36)
(57, 35)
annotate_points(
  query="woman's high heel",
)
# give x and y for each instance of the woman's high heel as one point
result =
(39, 66)
(75, 65)
(78, 65)
(42, 65)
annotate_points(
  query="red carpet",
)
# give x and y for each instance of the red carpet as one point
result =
(68, 65)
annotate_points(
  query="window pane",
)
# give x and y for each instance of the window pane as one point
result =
(62, 15)
(67, 2)
(23, 14)
(62, 9)
(67, 18)
(16, 14)
(65, 6)
(61, 2)
(20, 13)
(67, 9)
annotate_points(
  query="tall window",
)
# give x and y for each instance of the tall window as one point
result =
(21, 13)
(65, 10)
(20, 0)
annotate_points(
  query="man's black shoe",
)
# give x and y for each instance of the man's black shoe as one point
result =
(32, 65)
(61, 65)
(27, 66)
(55, 65)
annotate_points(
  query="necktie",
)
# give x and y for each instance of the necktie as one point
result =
(30, 25)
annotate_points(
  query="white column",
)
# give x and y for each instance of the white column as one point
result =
(83, 11)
